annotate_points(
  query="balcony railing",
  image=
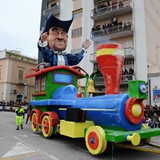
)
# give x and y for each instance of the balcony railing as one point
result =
(112, 32)
(110, 11)
(21, 81)
(124, 80)
(55, 10)
(128, 53)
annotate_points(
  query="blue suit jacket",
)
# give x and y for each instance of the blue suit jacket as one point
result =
(70, 59)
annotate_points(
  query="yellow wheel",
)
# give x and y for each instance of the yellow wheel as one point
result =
(34, 121)
(95, 140)
(47, 128)
(104, 141)
(146, 140)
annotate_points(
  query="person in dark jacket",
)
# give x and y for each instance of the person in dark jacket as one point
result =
(19, 117)
(29, 109)
(53, 42)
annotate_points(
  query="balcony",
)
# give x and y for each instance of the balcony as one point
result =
(112, 32)
(55, 10)
(128, 53)
(124, 80)
(110, 11)
(21, 81)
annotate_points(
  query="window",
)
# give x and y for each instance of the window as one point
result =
(37, 84)
(20, 76)
(40, 84)
(128, 48)
(77, 13)
(124, 21)
(43, 83)
(74, 51)
(76, 32)
(128, 20)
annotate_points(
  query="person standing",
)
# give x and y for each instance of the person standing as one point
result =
(19, 117)
(29, 109)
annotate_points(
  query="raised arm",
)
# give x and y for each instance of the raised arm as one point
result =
(86, 44)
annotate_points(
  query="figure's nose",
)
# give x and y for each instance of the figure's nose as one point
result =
(60, 36)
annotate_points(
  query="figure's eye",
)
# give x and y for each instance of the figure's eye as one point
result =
(142, 88)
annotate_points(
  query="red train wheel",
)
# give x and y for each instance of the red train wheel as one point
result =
(95, 140)
(34, 120)
(47, 128)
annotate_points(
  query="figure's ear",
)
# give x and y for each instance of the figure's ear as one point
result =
(44, 37)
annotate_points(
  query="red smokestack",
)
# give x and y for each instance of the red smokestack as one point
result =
(110, 58)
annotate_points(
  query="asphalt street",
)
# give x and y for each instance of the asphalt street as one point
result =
(26, 145)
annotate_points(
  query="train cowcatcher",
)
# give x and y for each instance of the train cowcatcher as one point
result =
(59, 107)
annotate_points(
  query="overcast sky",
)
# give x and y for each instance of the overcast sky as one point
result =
(20, 26)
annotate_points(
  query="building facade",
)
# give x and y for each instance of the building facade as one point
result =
(133, 23)
(13, 68)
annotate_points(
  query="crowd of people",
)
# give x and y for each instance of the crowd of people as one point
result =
(126, 75)
(109, 28)
(112, 27)
(108, 6)
(152, 116)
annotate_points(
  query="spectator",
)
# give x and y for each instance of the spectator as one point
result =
(154, 122)
(131, 71)
(94, 11)
(29, 109)
(95, 74)
(125, 72)
(115, 4)
(125, 75)
(108, 6)
(147, 119)
(120, 4)
(125, 26)
(120, 25)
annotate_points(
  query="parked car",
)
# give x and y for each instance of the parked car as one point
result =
(7, 108)
(1, 108)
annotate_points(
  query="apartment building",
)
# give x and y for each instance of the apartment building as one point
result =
(133, 23)
(13, 67)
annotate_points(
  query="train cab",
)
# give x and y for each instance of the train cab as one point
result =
(49, 79)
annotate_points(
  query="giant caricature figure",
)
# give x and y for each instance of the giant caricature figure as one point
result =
(53, 42)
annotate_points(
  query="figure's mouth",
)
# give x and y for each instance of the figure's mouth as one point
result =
(59, 41)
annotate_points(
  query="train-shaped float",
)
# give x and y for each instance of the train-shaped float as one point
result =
(59, 107)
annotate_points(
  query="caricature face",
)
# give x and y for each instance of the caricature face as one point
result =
(57, 39)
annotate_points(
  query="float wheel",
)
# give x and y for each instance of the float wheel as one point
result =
(104, 141)
(145, 140)
(34, 121)
(95, 140)
(47, 128)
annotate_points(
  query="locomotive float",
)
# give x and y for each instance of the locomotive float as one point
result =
(59, 107)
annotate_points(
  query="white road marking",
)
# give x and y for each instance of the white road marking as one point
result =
(18, 149)
(23, 136)
(37, 149)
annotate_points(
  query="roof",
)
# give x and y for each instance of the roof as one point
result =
(45, 70)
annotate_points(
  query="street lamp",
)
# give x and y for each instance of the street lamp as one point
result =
(25, 90)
